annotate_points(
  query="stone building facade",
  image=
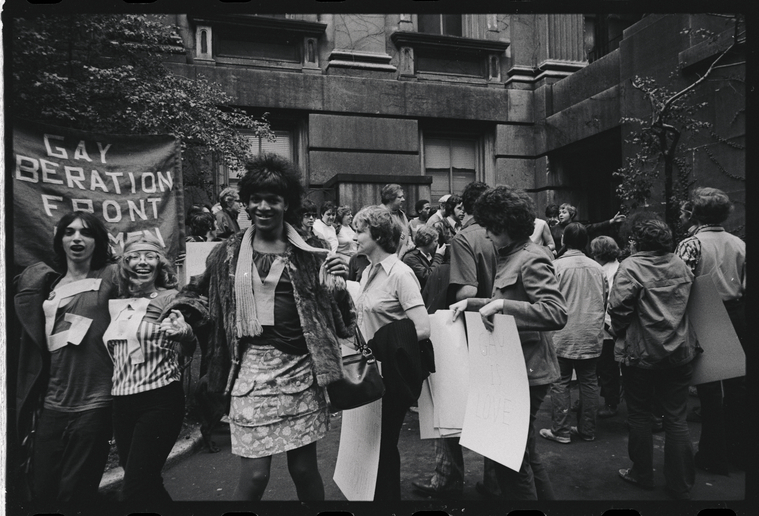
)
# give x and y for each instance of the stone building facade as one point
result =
(434, 101)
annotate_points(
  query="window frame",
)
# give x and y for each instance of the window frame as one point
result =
(479, 159)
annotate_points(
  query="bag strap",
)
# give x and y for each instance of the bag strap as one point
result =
(361, 345)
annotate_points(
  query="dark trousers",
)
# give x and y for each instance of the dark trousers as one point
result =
(449, 467)
(608, 374)
(146, 426)
(70, 453)
(388, 485)
(561, 400)
(531, 482)
(723, 408)
(670, 388)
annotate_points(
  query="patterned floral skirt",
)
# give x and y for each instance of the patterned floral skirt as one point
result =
(276, 404)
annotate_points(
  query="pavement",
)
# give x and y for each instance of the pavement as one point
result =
(583, 474)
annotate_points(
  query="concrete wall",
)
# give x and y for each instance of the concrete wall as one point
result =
(336, 94)
(536, 130)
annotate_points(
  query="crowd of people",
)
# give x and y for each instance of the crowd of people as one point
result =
(102, 335)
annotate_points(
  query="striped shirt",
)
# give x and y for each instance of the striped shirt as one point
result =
(161, 354)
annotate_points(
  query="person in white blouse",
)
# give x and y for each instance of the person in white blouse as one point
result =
(389, 292)
(324, 227)
(346, 243)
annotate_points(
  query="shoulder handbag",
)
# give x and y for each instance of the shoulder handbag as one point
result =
(361, 383)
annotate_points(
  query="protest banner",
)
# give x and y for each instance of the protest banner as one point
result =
(723, 355)
(498, 407)
(133, 183)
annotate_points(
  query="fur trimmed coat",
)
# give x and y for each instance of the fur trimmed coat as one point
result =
(323, 318)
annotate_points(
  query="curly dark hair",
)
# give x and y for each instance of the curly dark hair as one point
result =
(552, 210)
(710, 205)
(269, 172)
(199, 222)
(604, 249)
(506, 209)
(471, 193)
(419, 206)
(307, 207)
(382, 226)
(103, 254)
(575, 236)
(652, 234)
(450, 204)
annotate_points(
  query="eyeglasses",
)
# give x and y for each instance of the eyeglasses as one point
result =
(150, 256)
(309, 215)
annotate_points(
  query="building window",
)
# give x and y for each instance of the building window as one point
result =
(445, 57)
(270, 41)
(447, 24)
(603, 32)
(450, 62)
(452, 164)
(258, 44)
(203, 42)
(283, 146)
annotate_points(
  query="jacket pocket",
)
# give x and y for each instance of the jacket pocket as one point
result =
(506, 279)
(242, 387)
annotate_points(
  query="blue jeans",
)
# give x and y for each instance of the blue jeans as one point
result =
(531, 482)
(670, 388)
(561, 400)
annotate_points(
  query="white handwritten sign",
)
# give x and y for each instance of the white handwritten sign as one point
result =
(358, 454)
(498, 407)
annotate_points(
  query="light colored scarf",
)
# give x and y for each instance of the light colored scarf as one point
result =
(247, 323)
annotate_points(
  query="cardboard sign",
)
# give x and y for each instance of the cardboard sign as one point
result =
(723, 355)
(197, 252)
(358, 453)
(498, 406)
(450, 381)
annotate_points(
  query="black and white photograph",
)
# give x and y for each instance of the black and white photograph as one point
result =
(441, 260)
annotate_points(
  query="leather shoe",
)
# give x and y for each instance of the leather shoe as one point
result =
(430, 490)
(625, 475)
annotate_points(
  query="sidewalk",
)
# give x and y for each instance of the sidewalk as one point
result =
(182, 449)
(580, 471)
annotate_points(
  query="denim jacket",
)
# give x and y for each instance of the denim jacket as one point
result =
(648, 306)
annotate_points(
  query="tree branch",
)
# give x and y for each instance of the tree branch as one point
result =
(701, 79)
